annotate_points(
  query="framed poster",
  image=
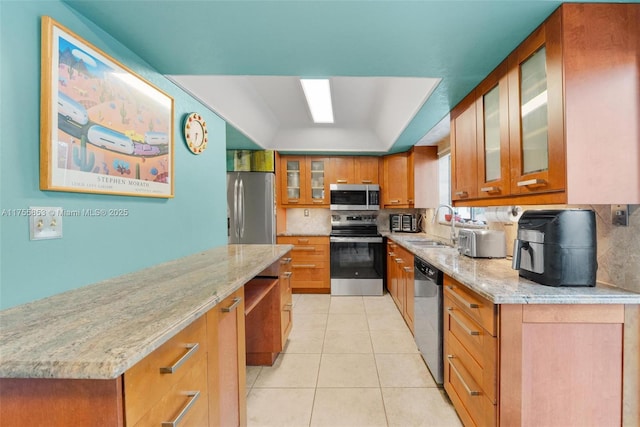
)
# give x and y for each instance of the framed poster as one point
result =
(103, 129)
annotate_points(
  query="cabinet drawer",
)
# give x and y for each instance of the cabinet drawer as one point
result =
(145, 384)
(483, 370)
(310, 253)
(303, 240)
(476, 307)
(186, 402)
(475, 339)
(468, 392)
(309, 271)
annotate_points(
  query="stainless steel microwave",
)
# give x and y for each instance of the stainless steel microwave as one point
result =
(354, 197)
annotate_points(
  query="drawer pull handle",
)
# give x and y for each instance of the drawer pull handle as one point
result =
(490, 189)
(318, 201)
(305, 248)
(461, 299)
(459, 322)
(287, 307)
(367, 181)
(464, 383)
(529, 182)
(394, 201)
(407, 269)
(236, 302)
(194, 395)
(392, 254)
(303, 266)
(341, 181)
(303, 240)
(191, 349)
(286, 260)
(287, 274)
(399, 260)
(462, 194)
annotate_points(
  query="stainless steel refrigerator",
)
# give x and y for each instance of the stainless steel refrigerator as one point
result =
(251, 208)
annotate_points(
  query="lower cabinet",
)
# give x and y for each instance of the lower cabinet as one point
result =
(470, 354)
(310, 264)
(400, 280)
(170, 385)
(227, 366)
(504, 363)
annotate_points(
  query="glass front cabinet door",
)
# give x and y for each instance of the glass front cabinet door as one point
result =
(318, 193)
(536, 113)
(292, 181)
(492, 109)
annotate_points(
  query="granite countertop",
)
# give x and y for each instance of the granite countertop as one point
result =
(497, 281)
(101, 330)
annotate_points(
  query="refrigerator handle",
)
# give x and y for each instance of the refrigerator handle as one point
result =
(242, 209)
(236, 231)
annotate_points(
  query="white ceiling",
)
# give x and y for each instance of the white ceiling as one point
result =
(370, 112)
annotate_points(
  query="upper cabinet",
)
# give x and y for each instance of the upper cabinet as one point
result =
(557, 121)
(303, 180)
(353, 170)
(410, 179)
(536, 120)
(492, 119)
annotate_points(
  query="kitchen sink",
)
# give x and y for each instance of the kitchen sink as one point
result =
(427, 243)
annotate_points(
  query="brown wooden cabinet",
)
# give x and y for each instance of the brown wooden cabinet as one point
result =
(470, 354)
(227, 362)
(492, 136)
(410, 179)
(353, 170)
(303, 181)
(396, 181)
(309, 264)
(558, 96)
(464, 158)
(400, 280)
(155, 388)
(505, 362)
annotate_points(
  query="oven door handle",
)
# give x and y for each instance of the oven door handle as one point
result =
(355, 239)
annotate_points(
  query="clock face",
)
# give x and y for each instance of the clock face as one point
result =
(195, 133)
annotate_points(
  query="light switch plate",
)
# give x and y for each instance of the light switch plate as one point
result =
(45, 223)
(620, 215)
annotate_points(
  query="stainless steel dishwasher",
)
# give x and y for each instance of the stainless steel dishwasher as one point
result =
(428, 316)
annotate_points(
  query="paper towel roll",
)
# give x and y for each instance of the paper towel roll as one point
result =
(505, 214)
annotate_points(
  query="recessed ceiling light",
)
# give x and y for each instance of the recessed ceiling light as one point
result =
(318, 94)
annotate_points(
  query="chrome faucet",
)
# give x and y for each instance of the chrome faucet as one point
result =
(454, 238)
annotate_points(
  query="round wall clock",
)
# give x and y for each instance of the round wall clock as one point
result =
(195, 133)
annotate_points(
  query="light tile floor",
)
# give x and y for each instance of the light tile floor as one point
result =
(349, 361)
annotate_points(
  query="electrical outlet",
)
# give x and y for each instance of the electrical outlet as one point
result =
(45, 223)
(306, 212)
(620, 215)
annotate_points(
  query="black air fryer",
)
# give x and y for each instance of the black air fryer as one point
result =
(557, 247)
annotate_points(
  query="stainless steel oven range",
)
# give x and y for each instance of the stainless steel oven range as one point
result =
(357, 255)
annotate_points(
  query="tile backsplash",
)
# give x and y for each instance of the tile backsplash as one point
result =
(618, 247)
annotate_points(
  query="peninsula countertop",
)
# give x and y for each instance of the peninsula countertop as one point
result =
(497, 281)
(101, 330)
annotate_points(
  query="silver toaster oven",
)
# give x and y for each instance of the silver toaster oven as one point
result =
(482, 243)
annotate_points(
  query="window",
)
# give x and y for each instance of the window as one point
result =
(467, 215)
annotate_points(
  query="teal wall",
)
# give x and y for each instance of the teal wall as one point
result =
(92, 249)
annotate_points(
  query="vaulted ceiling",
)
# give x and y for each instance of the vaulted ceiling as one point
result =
(397, 67)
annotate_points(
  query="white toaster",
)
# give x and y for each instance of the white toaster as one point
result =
(482, 243)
